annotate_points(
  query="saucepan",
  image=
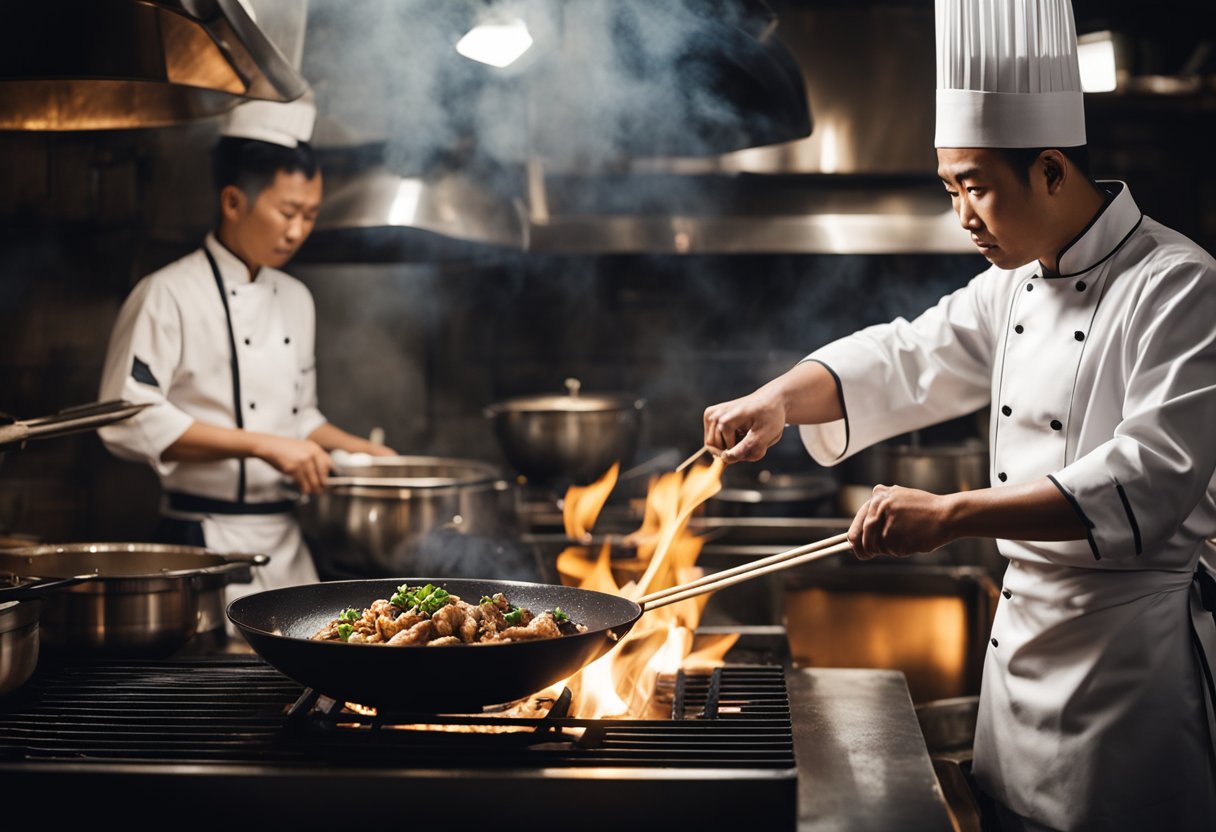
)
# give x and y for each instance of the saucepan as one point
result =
(19, 639)
(279, 623)
(121, 598)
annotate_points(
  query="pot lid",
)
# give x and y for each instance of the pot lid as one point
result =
(425, 472)
(120, 560)
(575, 401)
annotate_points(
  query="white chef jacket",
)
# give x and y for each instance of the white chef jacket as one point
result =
(172, 346)
(1103, 377)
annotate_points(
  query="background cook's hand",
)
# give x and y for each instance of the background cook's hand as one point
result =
(303, 460)
(900, 521)
(744, 429)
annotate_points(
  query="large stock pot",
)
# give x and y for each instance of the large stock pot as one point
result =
(379, 515)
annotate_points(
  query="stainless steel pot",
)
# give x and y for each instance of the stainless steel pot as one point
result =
(938, 468)
(575, 436)
(376, 517)
(751, 491)
(137, 598)
(18, 643)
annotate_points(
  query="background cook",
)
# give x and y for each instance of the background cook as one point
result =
(1091, 338)
(221, 342)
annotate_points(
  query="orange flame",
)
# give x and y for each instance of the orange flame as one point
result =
(583, 504)
(623, 681)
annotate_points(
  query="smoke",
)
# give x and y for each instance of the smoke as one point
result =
(603, 81)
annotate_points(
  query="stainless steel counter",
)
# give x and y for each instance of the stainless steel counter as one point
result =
(862, 762)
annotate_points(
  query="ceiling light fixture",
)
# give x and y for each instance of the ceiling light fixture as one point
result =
(496, 44)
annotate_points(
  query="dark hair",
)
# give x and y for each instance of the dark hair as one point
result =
(251, 165)
(1021, 159)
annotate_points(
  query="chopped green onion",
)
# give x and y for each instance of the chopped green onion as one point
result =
(428, 599)
(351, 614)
(514, 617)
(486, 599)
(344, 631)
(559, 615)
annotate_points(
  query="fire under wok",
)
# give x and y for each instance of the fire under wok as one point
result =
(279, 625)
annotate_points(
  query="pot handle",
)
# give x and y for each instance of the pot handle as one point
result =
(40, 588)
(236, 561)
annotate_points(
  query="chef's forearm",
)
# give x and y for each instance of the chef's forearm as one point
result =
(810, 394)
(203, 442)
(1030, 511)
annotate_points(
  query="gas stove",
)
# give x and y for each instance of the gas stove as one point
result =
(228, 739)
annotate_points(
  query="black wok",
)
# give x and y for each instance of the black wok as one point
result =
(278, 624)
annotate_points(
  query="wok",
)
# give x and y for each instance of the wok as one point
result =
(279, 623)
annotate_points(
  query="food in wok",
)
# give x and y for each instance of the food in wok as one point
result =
(431, 616)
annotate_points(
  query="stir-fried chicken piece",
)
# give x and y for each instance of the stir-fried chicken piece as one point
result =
(542, 626)
(420, 633)
(448, 620)
(443, 641)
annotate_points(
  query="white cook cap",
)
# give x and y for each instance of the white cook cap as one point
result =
(286, 124)
(1007, 74)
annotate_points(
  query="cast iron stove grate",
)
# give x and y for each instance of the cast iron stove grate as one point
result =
(163, 733)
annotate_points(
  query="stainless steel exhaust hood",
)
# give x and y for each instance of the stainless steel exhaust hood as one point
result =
(863, 182)
(378, 216)
(111, 64)
(709, 83)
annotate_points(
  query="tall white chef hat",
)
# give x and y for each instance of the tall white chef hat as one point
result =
(1007, 74)
(285, 124)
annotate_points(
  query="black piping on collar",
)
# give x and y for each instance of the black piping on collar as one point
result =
(215, 236)
(1110, 253)
(1111, 196)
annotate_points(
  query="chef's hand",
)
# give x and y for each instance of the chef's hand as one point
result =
(899, 521)
(744, 429)
(303, 460)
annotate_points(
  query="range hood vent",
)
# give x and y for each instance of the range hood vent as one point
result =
(113, 64)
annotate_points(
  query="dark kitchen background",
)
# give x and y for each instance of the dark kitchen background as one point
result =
(646, 217)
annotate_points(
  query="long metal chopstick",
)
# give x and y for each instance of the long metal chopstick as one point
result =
(747, 568)
(686, 593)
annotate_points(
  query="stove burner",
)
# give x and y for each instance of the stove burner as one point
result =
(151, 737)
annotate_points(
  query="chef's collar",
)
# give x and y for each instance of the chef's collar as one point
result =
(232, 268)
(1115, 221)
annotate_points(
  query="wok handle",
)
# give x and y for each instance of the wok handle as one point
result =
(711, 583)
(38, 589)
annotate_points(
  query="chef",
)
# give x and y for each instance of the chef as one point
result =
(1091, 337)
(220, 342)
